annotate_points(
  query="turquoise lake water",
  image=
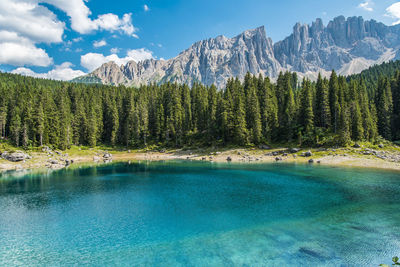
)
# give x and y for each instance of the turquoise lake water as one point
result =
(200, 214)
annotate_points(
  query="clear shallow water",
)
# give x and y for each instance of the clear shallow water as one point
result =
(200, 214)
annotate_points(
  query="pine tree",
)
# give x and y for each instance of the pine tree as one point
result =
(269, 109)
(175, 115)
(143, 120)
(334, 100)
(79, 120)
(253, 114)
(396, 106)
(306, 119)
(343, 126)
(212, 113)
(15, 126)
(92, 126)
(240, 133)
(114, 116)
(187, 114)
(227, 112)
(40, 122)
(367, 119)
(323, 111)
(3, 112)
(384, 107)
(160, 125)
(288, 116)
(357, 129)
(64, 115)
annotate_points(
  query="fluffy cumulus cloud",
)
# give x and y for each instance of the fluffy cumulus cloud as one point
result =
(91, 61)
(81, 22)
(100, 43)
(393, 11)
(366, 5)
(140, 54)
(24, 24)
(22, 52)
(62, 72)
(29, 19)
(146, 8)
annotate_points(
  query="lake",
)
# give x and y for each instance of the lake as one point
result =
(182, 213)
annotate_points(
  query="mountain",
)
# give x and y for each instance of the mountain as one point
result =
(346, 45)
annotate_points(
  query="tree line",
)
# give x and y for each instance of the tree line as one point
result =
(334, 111)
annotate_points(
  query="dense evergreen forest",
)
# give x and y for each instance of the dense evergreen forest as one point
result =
(334, 111)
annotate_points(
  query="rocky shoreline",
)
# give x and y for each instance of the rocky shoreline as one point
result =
(356, 156)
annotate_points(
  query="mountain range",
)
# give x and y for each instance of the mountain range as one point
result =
(346, 45)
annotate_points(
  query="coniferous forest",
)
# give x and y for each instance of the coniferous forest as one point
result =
(328, 112)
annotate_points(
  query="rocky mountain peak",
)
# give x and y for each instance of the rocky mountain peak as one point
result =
(257, 32)
(346, 45)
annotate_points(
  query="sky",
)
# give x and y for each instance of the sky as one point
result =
(63, 39)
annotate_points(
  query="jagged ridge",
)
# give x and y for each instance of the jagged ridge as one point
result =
(348, 46)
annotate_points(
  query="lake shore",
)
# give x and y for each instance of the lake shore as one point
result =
(350, 157)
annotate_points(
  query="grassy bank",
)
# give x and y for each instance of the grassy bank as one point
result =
(384, 156)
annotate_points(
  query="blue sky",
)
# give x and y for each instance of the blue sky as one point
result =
(62, 39)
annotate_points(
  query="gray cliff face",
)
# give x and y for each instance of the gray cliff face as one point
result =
(348, 46)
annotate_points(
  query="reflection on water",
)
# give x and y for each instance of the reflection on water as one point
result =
(195, 213)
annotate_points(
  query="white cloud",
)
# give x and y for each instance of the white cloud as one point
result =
(393, 11)
(26, 23)
(62, 72)
(99, 43)
(366, 5)
(92, 61)
(140, 54)
(114, 50)
(78, 39)
(79, 15)
(23, 24)
(146, 8)
(23, 53)
(30, 20)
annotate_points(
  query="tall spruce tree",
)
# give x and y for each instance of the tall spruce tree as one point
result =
(396, 106)
(322, 109)
(306, 118)
(334, 100)
(384, 105)
(288, 121)
(253, 114)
